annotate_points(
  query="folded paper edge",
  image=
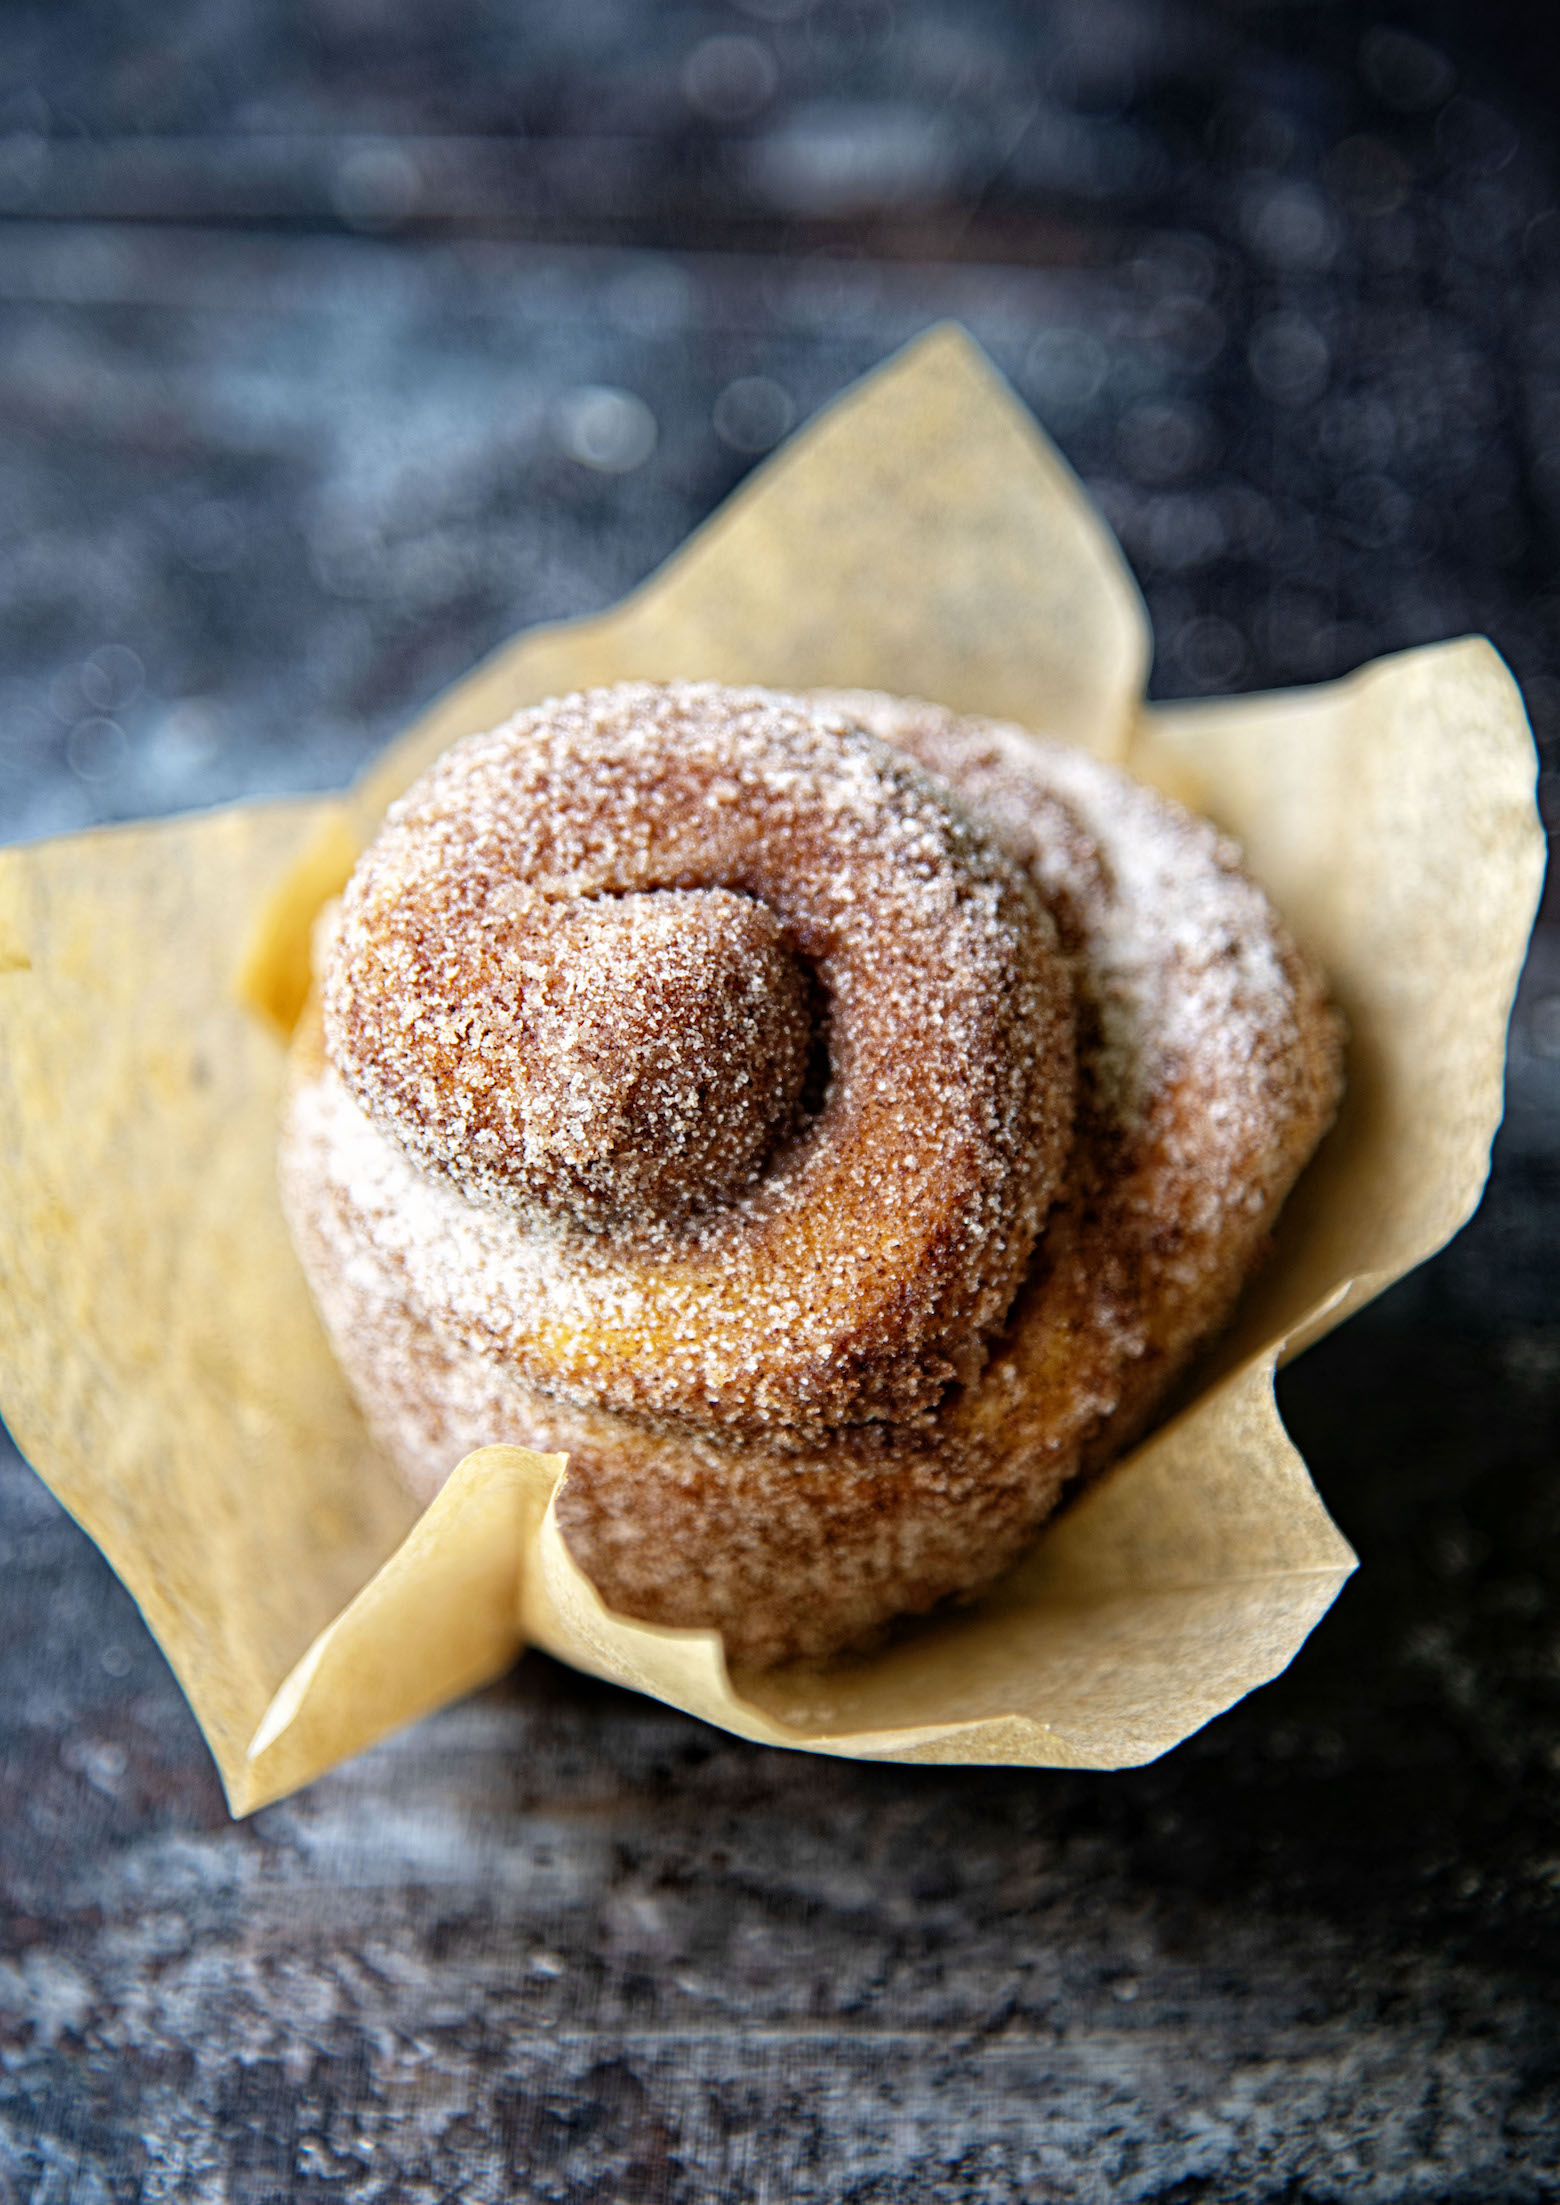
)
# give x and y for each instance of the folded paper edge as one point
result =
(565, 1614)
(1349, 1295)
(504, 1491)
(558, 1609)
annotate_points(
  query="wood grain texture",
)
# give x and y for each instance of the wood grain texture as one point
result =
(562, 1943)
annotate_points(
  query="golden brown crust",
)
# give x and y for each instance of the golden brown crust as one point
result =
(1210, 1055)
(885, 1240)
(1208, 1063)
(655, 1052)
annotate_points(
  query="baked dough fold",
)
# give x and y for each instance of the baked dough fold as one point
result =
(834, 1124)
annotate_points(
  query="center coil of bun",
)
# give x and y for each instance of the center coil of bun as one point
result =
(729, 1059)
(617, 1062)
(668, 1046)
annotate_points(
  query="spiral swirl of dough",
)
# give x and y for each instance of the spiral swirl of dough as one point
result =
(949, 1367)
(576, 984)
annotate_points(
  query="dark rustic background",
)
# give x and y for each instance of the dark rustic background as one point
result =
(338, 340)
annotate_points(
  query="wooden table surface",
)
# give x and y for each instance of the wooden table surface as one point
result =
(306, 320)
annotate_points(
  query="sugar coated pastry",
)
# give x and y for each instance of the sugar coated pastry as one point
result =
(833, 1124)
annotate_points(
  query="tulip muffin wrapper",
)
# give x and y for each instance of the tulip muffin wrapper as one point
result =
(160, 1360)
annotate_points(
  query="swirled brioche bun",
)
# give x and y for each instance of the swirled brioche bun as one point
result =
(833, 1124)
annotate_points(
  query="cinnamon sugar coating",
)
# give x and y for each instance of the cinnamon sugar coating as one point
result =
(1208, 1066)
(884, 1240)
(612, 1060)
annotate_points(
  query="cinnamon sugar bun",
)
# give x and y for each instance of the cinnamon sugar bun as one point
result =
(834, 1124)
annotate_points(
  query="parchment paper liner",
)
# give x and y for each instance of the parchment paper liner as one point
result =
(161, 1362)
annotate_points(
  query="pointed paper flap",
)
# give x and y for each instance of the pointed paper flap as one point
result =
(1392, 819)
(163, 1366)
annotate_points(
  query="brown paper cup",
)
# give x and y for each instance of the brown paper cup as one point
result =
(160, 1361)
